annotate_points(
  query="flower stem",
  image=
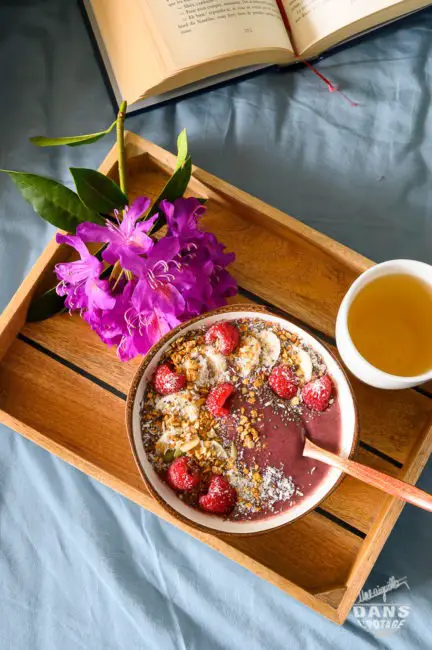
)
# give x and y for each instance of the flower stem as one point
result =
(117, 280)
(120, 147)
(115, 271)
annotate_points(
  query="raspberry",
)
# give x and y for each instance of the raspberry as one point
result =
(182, 474)
(316, 393)
(220, 498)
(166, 381)
(216, 399)
(283, 381)
(225, 335)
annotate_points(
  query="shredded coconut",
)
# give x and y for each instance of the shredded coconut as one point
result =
(276, 486)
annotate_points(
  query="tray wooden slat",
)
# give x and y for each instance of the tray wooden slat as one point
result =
(295, 269)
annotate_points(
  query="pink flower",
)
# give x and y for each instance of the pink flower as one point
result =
(202, 255)
(127, 238)
(161, 283)
(80, 281)
(149, 317)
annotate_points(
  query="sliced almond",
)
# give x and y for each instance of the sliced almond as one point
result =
(187, 446)
(220, 451)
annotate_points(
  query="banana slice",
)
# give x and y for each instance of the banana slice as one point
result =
(168, 440)
(248, 355)
(305, 363)
(197, 370)
(270, 347)
(216, 363)
(206, 366)
(182, 403)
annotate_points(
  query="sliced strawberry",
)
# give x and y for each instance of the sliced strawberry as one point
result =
(283, 381)
(221, 497)
(166, 381)
(183, 474)
(225, 335)
(316, 394)
(216, 399)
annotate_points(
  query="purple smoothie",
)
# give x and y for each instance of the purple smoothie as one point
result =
(281, 439)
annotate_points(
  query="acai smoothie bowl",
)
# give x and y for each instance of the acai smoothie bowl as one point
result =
(218, 412)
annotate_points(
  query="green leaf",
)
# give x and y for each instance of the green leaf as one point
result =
(46, 305)
(174, 189)
(97, 191)
(182, 149)
(53, 201)
(177, 184)
(72, 140)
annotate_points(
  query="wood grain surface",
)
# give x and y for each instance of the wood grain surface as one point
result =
(290, 267)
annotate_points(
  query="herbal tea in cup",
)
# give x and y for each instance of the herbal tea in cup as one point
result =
(384, 325)
(390, 324)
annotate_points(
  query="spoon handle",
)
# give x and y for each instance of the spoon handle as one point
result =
(373, 477)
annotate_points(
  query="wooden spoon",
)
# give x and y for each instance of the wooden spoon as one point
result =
(373, 477)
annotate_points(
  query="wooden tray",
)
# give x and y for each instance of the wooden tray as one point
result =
(323, 559)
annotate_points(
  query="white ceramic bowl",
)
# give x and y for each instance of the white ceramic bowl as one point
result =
(352, 358)
(163, 493)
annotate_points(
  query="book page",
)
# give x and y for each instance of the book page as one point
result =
(127, 46)
(194, 31)
(314, 20)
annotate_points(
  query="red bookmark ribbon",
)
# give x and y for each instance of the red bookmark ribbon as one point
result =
(331, 87)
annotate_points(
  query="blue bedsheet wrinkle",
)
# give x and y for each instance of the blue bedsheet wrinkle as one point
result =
(80, 566)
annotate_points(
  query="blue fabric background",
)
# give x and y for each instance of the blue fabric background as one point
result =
(80, 566)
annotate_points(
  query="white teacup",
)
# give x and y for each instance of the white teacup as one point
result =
(352, 358)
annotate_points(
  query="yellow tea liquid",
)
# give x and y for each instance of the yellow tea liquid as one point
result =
(390, 323)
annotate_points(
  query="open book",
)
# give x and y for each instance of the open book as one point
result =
(155, 50)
